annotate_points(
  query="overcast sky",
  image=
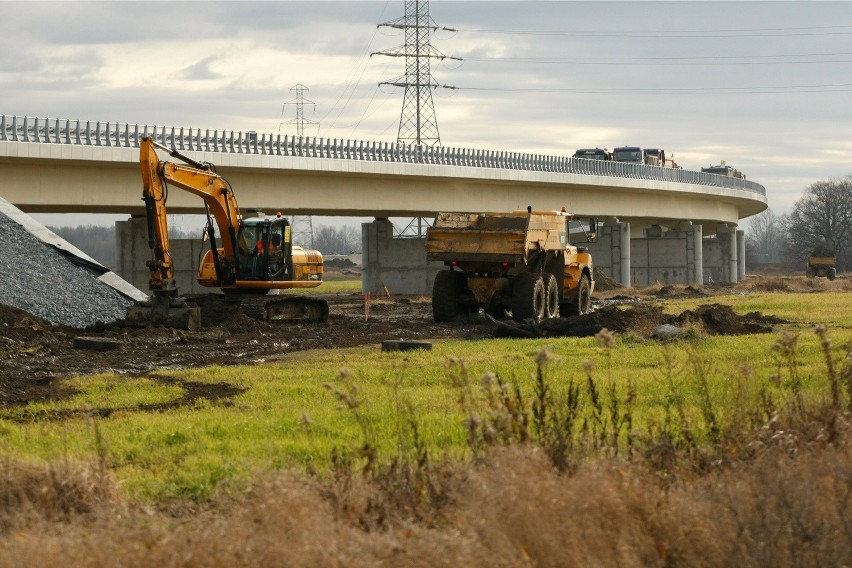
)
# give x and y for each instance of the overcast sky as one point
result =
(765, 86)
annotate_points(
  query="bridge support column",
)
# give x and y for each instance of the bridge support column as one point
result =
(741, 268)
(724, 255)
(398, 266)
(132, 251)
(668, 256)
(612, 251)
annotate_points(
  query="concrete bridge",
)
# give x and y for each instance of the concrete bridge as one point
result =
(659, 224)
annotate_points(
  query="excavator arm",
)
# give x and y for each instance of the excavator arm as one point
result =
(198, 179)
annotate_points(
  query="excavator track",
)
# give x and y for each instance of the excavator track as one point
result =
(285, 309)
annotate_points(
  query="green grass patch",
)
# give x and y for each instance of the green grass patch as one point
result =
(342, 287)
(297, 412)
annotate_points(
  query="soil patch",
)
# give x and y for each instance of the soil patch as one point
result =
(36, 356)
(642, 319)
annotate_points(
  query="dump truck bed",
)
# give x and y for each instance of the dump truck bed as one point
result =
(822, 261)
(498, 237)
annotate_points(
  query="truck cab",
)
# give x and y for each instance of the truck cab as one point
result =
(629, 154)
(593, 154)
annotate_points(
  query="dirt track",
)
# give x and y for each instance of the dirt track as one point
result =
(34, 354)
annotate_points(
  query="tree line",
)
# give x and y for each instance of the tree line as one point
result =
(821, 220)
(99, 241)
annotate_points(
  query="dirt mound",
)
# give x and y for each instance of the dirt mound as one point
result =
(680, 292)
(642, 320)
(604, 282)
(718, 319)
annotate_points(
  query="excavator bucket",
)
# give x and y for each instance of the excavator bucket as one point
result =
(296, 309)
(176, 315)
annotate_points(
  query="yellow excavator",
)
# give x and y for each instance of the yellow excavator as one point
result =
(248, 258)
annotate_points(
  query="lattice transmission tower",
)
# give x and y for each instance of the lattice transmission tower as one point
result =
(300, 119)
(417, 122)
(301, 226)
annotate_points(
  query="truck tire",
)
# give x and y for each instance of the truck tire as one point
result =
(551, 296)
(832, 273)
(583, 301)
(445, 296)
(528, 297)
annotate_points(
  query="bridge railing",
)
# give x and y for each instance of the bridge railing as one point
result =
(121, 135)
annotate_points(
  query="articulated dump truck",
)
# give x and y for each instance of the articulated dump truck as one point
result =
(519, 262)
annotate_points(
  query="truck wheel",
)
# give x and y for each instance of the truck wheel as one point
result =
(582, 301)
(528, 297)
(445, 296)
(832, 273)
(551, 296)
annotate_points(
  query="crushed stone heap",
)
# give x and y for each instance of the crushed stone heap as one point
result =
(44, 275)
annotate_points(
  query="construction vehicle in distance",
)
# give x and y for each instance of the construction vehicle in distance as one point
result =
(247, 259)
(636, 155)
(593, 154)
(724, 170)
(629, 154)
(822, 262)
(520, 261)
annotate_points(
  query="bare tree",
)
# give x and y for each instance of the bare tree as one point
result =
(766, 238)
(345, 240)
(823, 217)
(96, 241)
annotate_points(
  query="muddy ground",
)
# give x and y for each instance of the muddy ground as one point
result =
(35, 355)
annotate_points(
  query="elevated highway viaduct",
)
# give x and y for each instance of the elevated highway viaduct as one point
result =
(657, 224)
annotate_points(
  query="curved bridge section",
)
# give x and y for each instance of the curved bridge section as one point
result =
(656, 220)
(52, 165)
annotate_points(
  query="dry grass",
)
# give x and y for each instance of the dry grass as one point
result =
(789, 502)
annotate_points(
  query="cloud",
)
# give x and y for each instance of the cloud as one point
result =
(748, 82)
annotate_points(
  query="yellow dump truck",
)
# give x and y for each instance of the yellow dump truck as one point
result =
(519, 262)
(824, 266)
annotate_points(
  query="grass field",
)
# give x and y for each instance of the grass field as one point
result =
(411, 424)
(285, 416)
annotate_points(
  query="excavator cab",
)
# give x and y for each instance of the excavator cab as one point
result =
(265, 250)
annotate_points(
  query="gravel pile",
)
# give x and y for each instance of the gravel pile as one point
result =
(55, 285)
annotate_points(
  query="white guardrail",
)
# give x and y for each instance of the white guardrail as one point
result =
(120, 135)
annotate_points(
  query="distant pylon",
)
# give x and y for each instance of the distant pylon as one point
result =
(302, 230)
(300, 119)
(301, 226)
(417, 122)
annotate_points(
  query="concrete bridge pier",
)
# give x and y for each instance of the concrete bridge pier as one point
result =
(611, 252)
(395, 265)
(132, 251)
(724, 255)
(667, 255)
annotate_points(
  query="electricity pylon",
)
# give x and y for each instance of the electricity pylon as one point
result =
(301, 226)
(417, 123)
(300, 119)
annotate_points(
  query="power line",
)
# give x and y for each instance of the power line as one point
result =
(744, 32)
(662, 61)
(783, 89)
